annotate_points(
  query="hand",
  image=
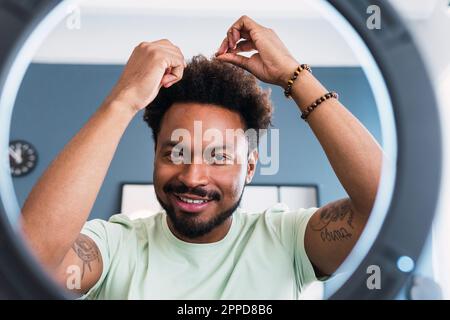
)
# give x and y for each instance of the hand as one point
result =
(151, 66)
(272, 63)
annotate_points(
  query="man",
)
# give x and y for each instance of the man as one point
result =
(201, 246)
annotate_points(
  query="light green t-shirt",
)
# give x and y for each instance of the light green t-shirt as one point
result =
(261, 257)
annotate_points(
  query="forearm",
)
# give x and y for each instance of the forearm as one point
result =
(60, 203)
(354, 154)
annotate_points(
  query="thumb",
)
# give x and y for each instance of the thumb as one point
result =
(167, 79)
(235, 59)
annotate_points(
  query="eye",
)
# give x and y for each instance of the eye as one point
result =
(173, 155)
(176, 155)
(220, 158)
(177, 152)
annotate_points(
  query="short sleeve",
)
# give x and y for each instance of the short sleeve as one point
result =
(107, 236)
(290, 227)
(304, 271)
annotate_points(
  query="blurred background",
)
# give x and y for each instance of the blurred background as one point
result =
(79, 62)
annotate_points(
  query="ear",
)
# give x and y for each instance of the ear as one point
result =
(251, 166)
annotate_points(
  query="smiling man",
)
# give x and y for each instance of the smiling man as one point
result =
(202, 246)
(200, 121)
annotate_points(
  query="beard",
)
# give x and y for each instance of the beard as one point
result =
(188, 225)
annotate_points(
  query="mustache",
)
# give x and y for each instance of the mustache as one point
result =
(198, 191)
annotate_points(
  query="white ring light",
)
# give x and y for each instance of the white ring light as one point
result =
(393, 52)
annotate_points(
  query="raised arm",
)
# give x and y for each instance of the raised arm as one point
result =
(356, 159)
(60, 203)
(353, 153)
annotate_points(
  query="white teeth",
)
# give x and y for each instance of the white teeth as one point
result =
(192, 201)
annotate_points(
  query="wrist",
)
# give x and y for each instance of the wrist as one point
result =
(121, 108)
(123, 99)
(306, 89)
(287, 73)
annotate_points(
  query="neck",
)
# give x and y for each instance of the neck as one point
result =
(214, 235)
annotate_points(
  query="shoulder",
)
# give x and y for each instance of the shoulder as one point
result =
(132, 220)
(119, 225)
(280, 214)
(279, 218)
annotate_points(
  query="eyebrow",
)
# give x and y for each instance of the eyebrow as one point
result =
(170, 143)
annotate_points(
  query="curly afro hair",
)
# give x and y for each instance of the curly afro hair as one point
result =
(218, 83)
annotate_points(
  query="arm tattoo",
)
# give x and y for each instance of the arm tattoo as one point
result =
(335, 212)
(87, 251)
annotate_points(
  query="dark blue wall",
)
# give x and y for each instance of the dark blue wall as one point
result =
(56, 100)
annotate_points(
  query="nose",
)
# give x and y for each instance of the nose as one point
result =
(194, 175)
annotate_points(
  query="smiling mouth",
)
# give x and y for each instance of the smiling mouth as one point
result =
(195, 200)
(191, 203)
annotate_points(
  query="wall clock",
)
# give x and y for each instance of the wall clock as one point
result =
(22, 158)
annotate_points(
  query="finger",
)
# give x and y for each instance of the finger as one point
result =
(238, 34)
(245, 26)
(230, 38)
(169, 84)
(178, 69)
(235, 59)
(235, 36)
(167, 79)
(178, 57)
(223, 47)
(174, 73)
(244, 46)
(182, 61)
(240, 29)
(172, 78)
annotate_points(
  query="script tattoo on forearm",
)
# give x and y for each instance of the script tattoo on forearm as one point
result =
(87, 251)
(335, 212)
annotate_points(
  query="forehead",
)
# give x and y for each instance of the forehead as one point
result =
(189, 115)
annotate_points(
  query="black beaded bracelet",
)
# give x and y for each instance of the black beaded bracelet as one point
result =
(316, 103)
(300, 68)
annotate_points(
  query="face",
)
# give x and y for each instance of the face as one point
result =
(202, 191)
